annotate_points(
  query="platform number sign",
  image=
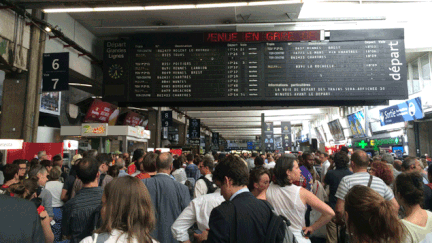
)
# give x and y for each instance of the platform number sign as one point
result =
(166, 118)
(215, 138)
(194, 129)
(55, 72)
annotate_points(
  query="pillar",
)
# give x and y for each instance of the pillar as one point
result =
(155, 126)
(182, 132)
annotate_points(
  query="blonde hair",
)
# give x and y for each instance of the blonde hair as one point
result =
(128, 208)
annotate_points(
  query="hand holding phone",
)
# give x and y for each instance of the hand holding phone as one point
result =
(305, 235)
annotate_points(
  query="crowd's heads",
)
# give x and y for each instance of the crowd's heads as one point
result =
(308, 159)
(207, 165)
(259, 179)
(231, 168)
(148, 164)
(383, 171)
(221, 156)
(409, 188)
(368, 216)
(120, 163)
(90, 154)
(138, 155)
(48, 164)
(344, 149)
(190, 157)
(42, 155)
(114, 171)
(58, 160)
(55, 173)
(341, 160)
(387, 158)
(259, 161)
(103, 161)
(411, 164)
(323, 156)
(127, 206)
(39, 172)
(26, 189)
(75, 158)
(11, 172)
(360, 159)
(22, 163)
(397, 165)
(286, 170)
(254, 155)
(88, 170)
(164, 161)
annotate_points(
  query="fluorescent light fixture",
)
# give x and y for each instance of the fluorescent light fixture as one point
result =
(68, 10)
(47, 29)
(221, 5)
(271, 3)
(167, 7)
(136, 108)
(78, 84)
(97, 97)
(113, 9)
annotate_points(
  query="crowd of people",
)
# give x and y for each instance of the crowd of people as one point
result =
(217, 197)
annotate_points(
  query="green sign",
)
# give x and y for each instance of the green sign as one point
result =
(375, 143)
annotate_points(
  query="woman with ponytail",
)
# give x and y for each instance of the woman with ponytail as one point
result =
(27, 189)
(409, 188)
(127, 213)
(370, 218)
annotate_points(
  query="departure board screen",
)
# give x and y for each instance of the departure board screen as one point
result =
(348, 65)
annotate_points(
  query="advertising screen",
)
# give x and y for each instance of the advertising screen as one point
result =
(336, 130)
(357, 124)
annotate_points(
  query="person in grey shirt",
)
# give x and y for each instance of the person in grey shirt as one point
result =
(41, 174)
(169, 198)
(388, 158)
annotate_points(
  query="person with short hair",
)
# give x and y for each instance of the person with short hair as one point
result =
(251, 161)
(412, 164)
(41, 174)
(42, 155)
(79, 210)
(259, 162)
(205, 183)
(371, 218)
(259, 181)
(290, 200)
(114, 171)
(191, 168)
(147, 166)
(127, 213)
(120, 163)
(54, 186)
(398, 165)
(359, 164)
(324, 158)
(409, 188)
(11, 176)
(242, 213)
(48, 164)
(58, 161)
(169, 198)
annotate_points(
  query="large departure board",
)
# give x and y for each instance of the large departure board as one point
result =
(316, 65)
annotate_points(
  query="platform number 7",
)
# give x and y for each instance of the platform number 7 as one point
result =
(55, 80)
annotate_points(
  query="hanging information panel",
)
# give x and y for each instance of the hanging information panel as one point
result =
(366, 65)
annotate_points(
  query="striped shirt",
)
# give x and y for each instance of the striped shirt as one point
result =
(362, 178)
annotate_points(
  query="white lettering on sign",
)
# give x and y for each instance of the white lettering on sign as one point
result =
(395, 62)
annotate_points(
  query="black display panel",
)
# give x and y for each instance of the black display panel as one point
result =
(353, 65)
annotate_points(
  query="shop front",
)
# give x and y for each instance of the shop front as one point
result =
(376, 146)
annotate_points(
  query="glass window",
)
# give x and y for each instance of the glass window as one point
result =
(416, 86)
(415, 71)
(410, 86)
(425, 67)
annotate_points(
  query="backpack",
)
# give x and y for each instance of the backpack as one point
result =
(211, 186)
(278, 230)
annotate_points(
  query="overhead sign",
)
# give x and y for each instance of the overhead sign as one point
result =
(268, 135)
(407, 111)
(286, 135)
(6, 144)
(55, 72)
(357, 124)
(133, 119)
(94, 129)
(194, 129)
(252, 68)
(70, 144)
(215, 138)
(50, 102)
(376, 143)
(166, 118)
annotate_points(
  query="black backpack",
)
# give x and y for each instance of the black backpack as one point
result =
(278, 230)
(211, 186)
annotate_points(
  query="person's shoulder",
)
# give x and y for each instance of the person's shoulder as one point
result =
(88, 239)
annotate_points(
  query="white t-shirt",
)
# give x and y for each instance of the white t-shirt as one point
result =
(114, 238)
(55, 187)
(270, 165)
(417, 232)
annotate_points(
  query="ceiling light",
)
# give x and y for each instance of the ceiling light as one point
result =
(221, 5)
(186, 6)
(271, 3)
(78, 84)
(68, 10)
(113, 9)
(47, 29)
(136, 108)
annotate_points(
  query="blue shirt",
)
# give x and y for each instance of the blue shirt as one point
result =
(238, 192)
(122, 173)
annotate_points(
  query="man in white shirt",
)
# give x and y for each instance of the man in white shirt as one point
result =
(205, 183)
(323, 157)
(271, 163)
(198, 212)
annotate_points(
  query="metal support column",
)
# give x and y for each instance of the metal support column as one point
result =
(262, 133)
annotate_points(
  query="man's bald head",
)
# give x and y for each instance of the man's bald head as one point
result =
(360, 159)
(164, 161)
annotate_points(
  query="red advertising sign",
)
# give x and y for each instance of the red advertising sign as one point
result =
(176, 151)
(102, 112)
(30, 151)
(133, 119)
